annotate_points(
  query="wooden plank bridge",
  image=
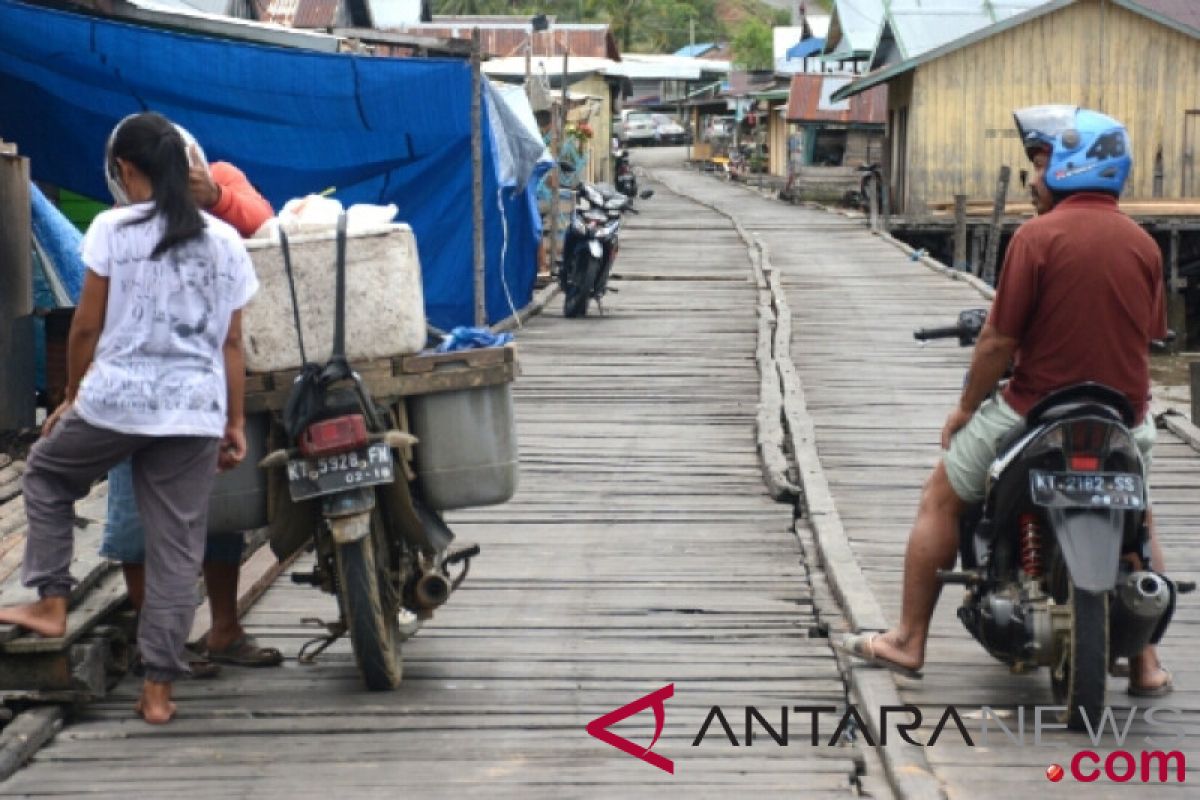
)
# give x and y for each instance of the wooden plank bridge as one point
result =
(877, 400)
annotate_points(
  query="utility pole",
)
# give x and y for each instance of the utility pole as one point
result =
(477, 177)
(692, 31)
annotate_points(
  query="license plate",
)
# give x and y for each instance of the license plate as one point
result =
(313, 477)
(1117, 490)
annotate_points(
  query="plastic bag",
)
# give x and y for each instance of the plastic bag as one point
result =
(465, 338)
(317, 213)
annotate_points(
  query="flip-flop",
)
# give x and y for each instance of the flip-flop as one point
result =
(245, 652)
(1163, 689)
(862, 646)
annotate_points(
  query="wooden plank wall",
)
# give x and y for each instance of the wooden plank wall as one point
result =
(1093, 54)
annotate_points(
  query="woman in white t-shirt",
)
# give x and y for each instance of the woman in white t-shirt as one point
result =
(156, 373)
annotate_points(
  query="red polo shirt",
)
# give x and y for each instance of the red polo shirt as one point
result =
(1081, 291)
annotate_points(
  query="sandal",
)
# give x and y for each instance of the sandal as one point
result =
(245, 652)
(1163, 689)
(862, 646)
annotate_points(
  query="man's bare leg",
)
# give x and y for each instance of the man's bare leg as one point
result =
(154, 705)
(220, 583)
(135, 584)
(47, 617)
(932, 545)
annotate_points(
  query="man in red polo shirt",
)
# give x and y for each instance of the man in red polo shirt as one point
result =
(1080, 298)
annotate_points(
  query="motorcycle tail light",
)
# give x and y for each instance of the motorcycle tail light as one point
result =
(331, 436)
(1082, 463)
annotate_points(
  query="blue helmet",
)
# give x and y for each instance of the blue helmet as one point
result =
(1089, 151)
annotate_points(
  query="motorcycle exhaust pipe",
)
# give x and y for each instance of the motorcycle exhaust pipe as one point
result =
(431, 590)
(1139, 604)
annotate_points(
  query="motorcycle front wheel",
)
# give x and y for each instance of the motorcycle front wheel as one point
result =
(371, 607)
(1079, 679)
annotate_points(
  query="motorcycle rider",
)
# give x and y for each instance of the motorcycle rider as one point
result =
(1079, 298)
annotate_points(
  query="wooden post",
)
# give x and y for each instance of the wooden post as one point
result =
(1194, 370)
(994, 231)
(17, 406)
(978, 245)
(477, 178)
(885, 196)
(873, 203)
(557, 129)
(960, 232)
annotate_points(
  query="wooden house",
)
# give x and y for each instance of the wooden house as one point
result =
(949, 108)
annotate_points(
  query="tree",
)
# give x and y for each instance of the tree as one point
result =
(753, 48)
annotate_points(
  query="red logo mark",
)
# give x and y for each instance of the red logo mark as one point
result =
(656, 699)
(1054, 773)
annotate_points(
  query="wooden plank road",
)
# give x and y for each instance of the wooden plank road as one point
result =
(878, 400)
(641, 550)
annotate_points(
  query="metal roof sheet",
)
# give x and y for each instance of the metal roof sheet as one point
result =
(887, 72)
(810, 101)
(855, 24)
(510, 39)
(1185, 12)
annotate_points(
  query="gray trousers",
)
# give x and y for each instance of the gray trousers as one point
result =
(173, 478)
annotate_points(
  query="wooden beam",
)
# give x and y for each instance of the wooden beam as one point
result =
(960, 231)
(477, 179)
(17, 405)
(995, 229)
(431, 44)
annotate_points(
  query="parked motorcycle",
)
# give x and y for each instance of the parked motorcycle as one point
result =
(384, 556)
(1044, 557)
(626, 181)
(590, 245)
(870, 180)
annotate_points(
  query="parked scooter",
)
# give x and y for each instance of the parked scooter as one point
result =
(870, 181)
(1043, 557)
(590, 245)
(626, 181)
(386, 558)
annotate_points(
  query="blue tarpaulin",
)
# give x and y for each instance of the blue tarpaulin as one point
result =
(805, 48)
(380, 130)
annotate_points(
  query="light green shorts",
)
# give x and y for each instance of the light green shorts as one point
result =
(973, 448)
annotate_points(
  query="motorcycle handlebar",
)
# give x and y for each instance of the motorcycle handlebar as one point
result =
(950, 332)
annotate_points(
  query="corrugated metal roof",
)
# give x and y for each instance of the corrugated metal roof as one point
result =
(695, 50)
(1185, 12)
(887, 72)
(854, 26)
(810, 101)
(316, 14)
(510, 39)
(919, 26)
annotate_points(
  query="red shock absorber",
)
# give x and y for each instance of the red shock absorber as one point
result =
(1031, 546)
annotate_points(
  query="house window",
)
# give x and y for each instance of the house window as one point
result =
(829, 148)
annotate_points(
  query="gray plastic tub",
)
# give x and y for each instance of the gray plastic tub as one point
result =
(467, 449)
(239, 496)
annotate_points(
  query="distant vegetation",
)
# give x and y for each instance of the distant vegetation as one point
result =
(643, 26)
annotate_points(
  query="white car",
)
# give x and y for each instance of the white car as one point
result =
(668, 131)
(636, 128)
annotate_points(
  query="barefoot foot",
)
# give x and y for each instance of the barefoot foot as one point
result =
(47, 617)
(155, 706)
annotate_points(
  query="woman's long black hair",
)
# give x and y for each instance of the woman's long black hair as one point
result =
(152, 144)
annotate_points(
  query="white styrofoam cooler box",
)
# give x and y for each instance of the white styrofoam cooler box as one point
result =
(385, 308)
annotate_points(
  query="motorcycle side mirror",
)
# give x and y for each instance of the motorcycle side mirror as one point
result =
(646, 194)
(566, 166)
(1024, 175)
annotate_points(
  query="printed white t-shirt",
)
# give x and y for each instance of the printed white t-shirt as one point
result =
(159, 369)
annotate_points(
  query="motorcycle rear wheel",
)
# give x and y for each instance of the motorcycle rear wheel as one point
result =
(371, 607)
(1079, 680)
(578, 297)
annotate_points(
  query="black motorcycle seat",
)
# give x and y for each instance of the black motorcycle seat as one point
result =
(1080, 400)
